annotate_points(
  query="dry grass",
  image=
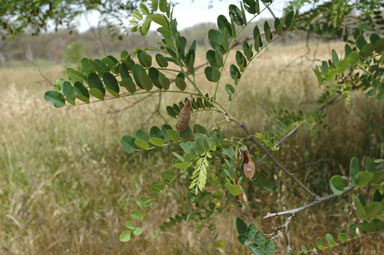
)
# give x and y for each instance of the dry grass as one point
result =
(66, 185)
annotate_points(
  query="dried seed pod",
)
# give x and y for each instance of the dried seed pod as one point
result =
(248, 165)
(184, 117)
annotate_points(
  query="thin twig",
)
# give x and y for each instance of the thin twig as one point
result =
(131, 105)
(295, 128)
(270, 10)
(42, 74)
(307, 206)
(269, 154)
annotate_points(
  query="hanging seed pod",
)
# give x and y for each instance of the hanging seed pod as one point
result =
(184, 117)
(248, 165)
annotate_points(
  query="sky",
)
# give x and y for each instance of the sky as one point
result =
(190, 13)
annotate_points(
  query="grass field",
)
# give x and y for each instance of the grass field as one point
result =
(67, 186)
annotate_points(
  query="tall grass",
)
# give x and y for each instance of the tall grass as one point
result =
(67, 186)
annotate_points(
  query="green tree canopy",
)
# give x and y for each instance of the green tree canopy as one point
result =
(38, 15)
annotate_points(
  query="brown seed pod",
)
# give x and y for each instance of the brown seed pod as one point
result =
(184, 117)
(248, 165)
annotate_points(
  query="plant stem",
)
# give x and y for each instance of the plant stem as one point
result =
(143, 93)
(233, 44)
(307, 206)
(269, 154)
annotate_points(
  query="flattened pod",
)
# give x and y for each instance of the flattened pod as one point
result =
(184, 117)
(248, 165)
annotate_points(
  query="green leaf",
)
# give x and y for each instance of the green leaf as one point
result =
(86, 66)
(96, 86)
(145, 26)
(243, 240)
(215, 38)
(161, 60)
(164, 81)
(145, 80)
(159, 19)
(144, 59)
(140, 134)
(155, 74)
(163, 5)
(330, 240)
(156, 141)
(364, 178)
(251, 232)
(171, 112)
(354, 169)
(319, 244)
(76, 75)
(240, 59)
(353, 58)
(168, 175)
(234, 190)
(337, 184)
(198, 129)
(55, 98)
(379, 45)
(137, 15)
(137, 215)
(180, 82)
(187, 134)
(236, 15)
(342, 236)
(142, 144)
(370, 165)
(360, 42)
(69, 92)
(156, 188)
(223, 23)
(304, 249)
(352, 230)
(360, 211)
(212, 74)
(241, 227)
(335, 58)
(144, 9)
(129, 224)
(155, 5)
(156, 132)
(138, 231)
(81, 92)
(235, 73)
(111, 62)
(173, 135)
(267, 31)
(125, 236)
(373, 209)
(111, 84)
(270, 248)
(100, 66)
(278, 27)
(128, 143)
(367, 50)
(289, 19)
(128, 84)
(257, 39)
(183, 165)
(260, 239)
(250, 6)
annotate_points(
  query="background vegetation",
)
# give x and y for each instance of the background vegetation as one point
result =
(67, 186)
